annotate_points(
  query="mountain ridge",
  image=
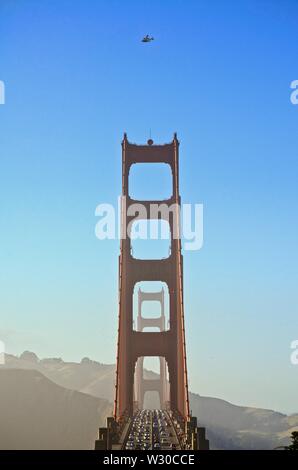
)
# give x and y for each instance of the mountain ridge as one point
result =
(228, 426)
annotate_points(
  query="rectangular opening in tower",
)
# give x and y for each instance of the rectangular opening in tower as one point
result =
(151, 306)
(150, 239)
(150, 181)
(151, 385)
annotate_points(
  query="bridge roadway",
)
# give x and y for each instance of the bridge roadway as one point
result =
(151, 430)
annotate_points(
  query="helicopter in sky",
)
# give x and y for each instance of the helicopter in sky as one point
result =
(147, 38)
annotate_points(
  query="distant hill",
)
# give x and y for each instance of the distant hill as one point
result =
(228, 426)
(239, 427)
(39, 414)
(90, 377)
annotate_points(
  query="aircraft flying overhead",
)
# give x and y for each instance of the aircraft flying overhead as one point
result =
(147, 38)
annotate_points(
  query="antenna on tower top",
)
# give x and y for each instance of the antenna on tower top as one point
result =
(150, 141)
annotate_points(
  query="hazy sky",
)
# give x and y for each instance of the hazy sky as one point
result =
(218, 73)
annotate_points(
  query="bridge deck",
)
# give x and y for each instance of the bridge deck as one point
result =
(151, 430)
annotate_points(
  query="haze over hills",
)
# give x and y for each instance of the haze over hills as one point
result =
(38, 414)
(66, 402)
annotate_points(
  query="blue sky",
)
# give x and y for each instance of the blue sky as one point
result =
(218, 73)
